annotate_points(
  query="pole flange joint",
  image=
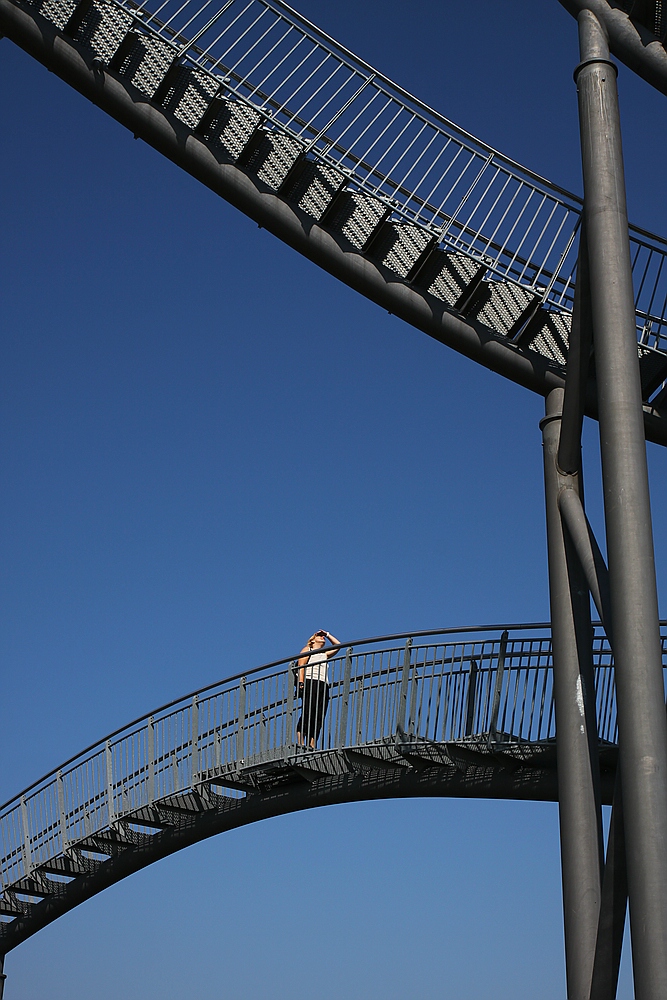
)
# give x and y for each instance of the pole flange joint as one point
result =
(549, 417)
(596, 60)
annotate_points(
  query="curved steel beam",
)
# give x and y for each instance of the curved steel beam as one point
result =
(496, 781)
(630, 41)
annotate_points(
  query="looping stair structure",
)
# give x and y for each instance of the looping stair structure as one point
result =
(458, 712)
(482, 254)
(353, 172)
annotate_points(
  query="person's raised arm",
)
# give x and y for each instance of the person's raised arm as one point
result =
(334, 642)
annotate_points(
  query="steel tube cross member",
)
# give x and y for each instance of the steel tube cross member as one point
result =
(634, 608)
(576, 729)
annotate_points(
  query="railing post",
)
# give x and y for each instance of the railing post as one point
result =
(3, 977)
(403, 696)
(194, 747)
(360, 709)
(61, 809)
(240, 732)
(472, 698)
(289, 714)
(263, 733)
(109, 762)
(498, 689)
(150, 792)
(27, 852)
(345, 698)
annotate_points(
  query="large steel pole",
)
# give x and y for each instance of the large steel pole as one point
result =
(576, 730)
(634, 607)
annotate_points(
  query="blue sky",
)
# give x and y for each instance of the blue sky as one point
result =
(210, 448)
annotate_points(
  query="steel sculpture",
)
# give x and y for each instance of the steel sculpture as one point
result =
(559, 295)
(459, 712)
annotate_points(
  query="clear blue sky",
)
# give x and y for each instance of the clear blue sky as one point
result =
(210, 448)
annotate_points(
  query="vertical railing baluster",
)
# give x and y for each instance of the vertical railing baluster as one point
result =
(500, 671)
(174, 771)
(27, 852)
(345, 699)
(263, 734)
(359, 710)
(289, 714)
(109, 768)
(150, 765)
(472, 697)
(62, 817)
(240, 732)
(412, 715)
(194, 741)
(403, 697)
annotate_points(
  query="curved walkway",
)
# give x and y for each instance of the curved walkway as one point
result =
(352, 171)
(457, 712)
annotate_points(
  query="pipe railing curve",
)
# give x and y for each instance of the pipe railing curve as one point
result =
(396, 699)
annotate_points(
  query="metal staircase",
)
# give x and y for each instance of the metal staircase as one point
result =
(337, 160)
(460, 712)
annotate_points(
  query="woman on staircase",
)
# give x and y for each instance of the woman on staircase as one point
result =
(314, 686)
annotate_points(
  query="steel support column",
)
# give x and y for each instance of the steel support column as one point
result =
(576, 730)
(3, 977)
(634, 609)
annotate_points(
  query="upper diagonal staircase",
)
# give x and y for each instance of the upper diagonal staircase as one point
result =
(352, 171)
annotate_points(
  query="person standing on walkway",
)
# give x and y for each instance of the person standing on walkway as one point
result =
(314, 686)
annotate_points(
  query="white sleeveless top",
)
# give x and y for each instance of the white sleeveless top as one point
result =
(316, 669)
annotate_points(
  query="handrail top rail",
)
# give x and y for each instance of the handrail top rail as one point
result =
(318, 35)
(184, 699)
(257, 670)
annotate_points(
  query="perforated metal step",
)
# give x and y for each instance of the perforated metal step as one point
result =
(229, 125)
(356, 216)
(58, 12)
(188, 94)
(552, 338)
(270, 156)
(399, 246)
(503, 305)
(447, 275)
(315, 187)
(144, 60)
(101, 26)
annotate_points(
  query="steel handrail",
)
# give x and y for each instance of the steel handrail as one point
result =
(539, 273)
(257, 670)
(491, 682)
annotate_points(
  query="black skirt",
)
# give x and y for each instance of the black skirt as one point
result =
(314, 703)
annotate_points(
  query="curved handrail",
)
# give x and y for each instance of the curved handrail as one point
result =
(474, 702)
(433, 687)
(332, 107)
(394, 637)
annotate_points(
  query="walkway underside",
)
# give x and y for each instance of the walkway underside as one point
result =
(178, 821)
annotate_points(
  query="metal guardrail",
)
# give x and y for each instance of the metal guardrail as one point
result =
(463, 194)
(492, 684)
